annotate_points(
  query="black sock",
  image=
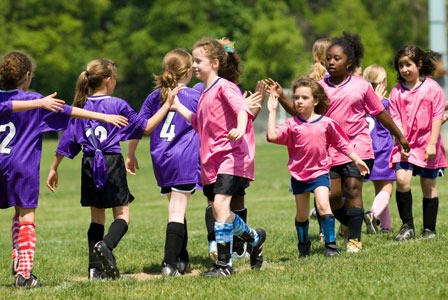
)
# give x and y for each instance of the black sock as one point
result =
(94, 235)
(404, 204)
(340, 214)
(210, 224)
(224, 254)
(117, 230)
(238, 243)
(173, 242)
(430, 209)
(355, 219)
(302, 231)
(183, 255)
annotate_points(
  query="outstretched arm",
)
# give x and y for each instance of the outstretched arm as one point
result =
(271, 135)
(49, 103)
(287, 104)
(53, 178)
(115, 120)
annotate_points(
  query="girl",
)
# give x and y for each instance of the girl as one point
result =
(103, 178)
(381, 175)
(308, 136)
(417, 107)
(20, 152)
(227, 149)
(174, 148)
(351, 98)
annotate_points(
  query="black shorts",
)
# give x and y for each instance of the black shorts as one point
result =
(115, 192)
(350, 170)
(181, 188)
(226, 185)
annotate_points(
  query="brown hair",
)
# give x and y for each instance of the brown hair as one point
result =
(319, 52)
(92, 78)
(13, 68)
(176, 65)
(229, 62)
(316, 90)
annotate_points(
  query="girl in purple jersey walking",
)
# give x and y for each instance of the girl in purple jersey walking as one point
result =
(174, 147)
(103, 178)
(20, 153)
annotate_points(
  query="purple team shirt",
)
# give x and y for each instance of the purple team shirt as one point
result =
(174, 144)
(21, 148)
(5, 109)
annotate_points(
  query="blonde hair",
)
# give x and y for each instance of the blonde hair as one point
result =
(375, 74)
(319, 52)
(176, 65)
(92, 78)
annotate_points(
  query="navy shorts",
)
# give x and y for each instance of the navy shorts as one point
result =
(181, 188)
(349, 170)
(419, 171)
(226, 185)
(300, 187)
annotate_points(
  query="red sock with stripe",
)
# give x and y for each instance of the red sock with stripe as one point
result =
(27, 244)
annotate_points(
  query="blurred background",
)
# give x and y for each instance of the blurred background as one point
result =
(273, 38)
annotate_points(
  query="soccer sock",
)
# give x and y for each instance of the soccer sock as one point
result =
(173, 242)
(183, 255)
(328, 228)
(15, 237)
(238, 243)
(27, 244)
(404, 204)
(341, 215)
(210, 224)
(430, 209)
(224, 238)
(94, 235)
(355, 218)
(380, 203)
(117, 230)
(243, 230)
(302, 231)
(385, 218)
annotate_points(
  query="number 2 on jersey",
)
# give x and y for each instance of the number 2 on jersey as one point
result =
(168, 129)
(12, 132)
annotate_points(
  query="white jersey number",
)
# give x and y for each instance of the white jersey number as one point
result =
(168, 129)
(371, 123)
(12, 132)
(100, 132)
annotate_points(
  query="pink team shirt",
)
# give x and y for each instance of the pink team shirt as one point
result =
(349, 103)
(216, 116)
(414, 111)
(308, 145)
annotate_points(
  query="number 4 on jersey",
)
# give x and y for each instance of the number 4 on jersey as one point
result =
(168, 129)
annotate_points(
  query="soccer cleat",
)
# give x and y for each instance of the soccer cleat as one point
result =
(406, 233)
(371, 223)
(107, 259)
(353, 246)
(183, 266)
(428, 233)
(256, 256)
(220, 269)
(241, 252)
(169, 271)
(31, 282)
(304, 249)
(331, 250)
(213, 251)
(343, 232)
(95, 273)
(387, 230)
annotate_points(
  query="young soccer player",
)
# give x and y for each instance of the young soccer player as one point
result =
(308, 136)
(174, 148)
(103, 178)
(227, 149)
(417, 106)
(20, 152)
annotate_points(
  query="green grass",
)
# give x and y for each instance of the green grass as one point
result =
(383, 270)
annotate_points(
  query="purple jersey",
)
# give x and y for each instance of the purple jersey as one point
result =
(174, 144)
(5, 109)
(21, 148)
(382, 143)
(108, 136)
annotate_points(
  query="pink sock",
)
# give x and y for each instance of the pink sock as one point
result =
(380, 202)
(15, 237)
(385, 218)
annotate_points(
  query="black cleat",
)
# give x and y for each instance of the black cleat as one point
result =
(107, 259)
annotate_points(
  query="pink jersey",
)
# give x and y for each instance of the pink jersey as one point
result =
(308, 145)
(217, 113)
(350, 101)
(414, 111)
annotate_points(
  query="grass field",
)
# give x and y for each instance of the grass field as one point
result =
(384, 269)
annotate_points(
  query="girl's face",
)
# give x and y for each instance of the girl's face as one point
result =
(202, 66)
(304, 101)
(337, 61)
(408, 69)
